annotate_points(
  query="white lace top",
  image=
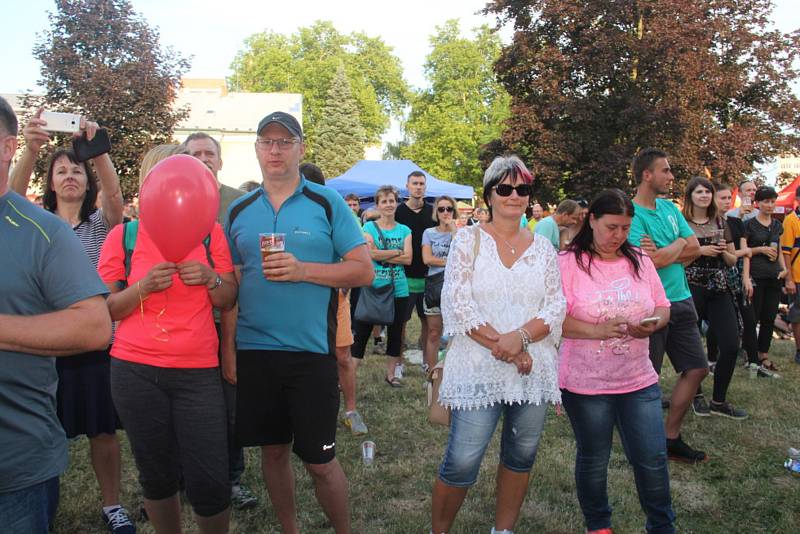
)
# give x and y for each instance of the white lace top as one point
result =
(505, 298)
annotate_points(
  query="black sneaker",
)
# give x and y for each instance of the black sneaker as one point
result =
(726, 409)
(797, 357)
(679, 451)
(700, 406)
(118, 522)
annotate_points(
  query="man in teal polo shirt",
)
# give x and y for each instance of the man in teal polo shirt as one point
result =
(287, 383)
(662, 233)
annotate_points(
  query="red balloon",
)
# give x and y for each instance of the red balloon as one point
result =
(178, 205)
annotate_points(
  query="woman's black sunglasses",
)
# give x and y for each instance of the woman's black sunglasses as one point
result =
(504, 190)
(442, 209)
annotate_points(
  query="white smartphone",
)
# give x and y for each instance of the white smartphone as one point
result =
(61, 122)
(647, 321)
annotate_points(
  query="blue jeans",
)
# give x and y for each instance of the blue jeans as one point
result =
(30, 510)
(472, 430)
(637, 416)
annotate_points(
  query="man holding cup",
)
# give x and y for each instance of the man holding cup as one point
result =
(287, 384)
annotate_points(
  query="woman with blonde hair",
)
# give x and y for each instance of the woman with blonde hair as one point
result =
(165, 377)
(390, 247)
(435, 247)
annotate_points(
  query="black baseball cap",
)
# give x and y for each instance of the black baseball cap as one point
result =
(285, 120)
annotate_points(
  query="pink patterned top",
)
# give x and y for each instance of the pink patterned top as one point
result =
(597, 367)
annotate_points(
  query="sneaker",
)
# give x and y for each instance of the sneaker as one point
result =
(726, 409)
(118, 522)
(355, 423)
(700, 406)
(242, 498)
(763, 372)
(398, 371)
(797, 357)
(601, 531)
(679, 451)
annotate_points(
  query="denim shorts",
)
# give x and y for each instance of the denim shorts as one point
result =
(472, 430)
(30, 510)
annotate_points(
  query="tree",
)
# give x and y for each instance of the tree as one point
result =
(340, 136)
(306, 63)
(101, 59)
(464, 107)
(593, 82)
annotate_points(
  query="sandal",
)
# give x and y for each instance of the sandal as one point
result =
(768, 364)
(394, 382)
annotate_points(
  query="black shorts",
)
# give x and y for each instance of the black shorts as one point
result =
(288, 397)
(415, 301)
(680, 339)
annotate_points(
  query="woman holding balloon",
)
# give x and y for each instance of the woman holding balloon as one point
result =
(164, 369)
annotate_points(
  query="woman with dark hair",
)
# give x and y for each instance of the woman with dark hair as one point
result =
(711, 290)
(84, 392)
(503, 305)
(765, 270)
(615, 300)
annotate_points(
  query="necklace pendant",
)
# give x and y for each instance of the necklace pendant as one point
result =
(513, 250)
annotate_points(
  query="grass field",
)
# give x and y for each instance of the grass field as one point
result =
(742, 489)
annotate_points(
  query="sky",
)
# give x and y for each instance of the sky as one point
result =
(212, 32)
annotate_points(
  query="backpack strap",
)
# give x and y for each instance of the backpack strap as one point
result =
(130, 230)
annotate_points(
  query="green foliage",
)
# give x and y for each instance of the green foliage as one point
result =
(593, 82)
(101, 59)
(306, 63)
(340, 136)
(462, 110)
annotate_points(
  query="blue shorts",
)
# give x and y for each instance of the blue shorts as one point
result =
(472, 430)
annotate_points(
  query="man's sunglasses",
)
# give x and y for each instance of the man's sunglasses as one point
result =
(504, 190)
(442, 209)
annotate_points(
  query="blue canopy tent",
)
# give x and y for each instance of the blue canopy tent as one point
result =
(366, 176)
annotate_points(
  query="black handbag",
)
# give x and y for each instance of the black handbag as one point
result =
(433, 290)
(376, 304)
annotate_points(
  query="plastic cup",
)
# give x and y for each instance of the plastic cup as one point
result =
(271, 243)
(368, 452)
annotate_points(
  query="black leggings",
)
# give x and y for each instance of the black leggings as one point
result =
(719, 310)
(748, 333)
(766, 297)
(394, 334)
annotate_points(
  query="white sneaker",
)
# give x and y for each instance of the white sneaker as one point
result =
(398, 371)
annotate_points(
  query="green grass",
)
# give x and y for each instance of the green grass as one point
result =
(744, 487)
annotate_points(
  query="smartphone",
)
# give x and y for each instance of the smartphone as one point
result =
(61, 122)
(86, 150)
(647, 321)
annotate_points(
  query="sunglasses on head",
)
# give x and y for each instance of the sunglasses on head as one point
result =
(504, 190)
(442, 209)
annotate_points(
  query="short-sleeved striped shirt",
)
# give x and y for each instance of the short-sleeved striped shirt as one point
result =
(92, 234)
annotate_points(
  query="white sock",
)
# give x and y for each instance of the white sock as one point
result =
(107, 509)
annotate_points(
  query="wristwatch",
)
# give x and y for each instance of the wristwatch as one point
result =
(217, 283)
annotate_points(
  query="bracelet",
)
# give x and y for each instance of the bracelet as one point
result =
(523, 335)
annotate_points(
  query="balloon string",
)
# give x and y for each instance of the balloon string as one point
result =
(163, 335)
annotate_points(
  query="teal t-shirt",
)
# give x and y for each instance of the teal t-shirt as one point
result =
(664, 225)
(383, 272)
(548, 228)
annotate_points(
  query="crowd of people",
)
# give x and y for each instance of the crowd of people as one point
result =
(236, 346)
